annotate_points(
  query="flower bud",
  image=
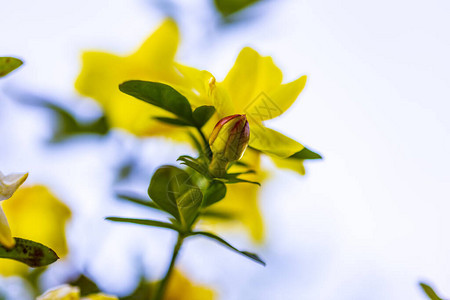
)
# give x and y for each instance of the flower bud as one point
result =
(228, 142)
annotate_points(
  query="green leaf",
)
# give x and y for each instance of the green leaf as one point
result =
(65, 123)
(138, 200)
(195, 164)
(160, 95)
(233, 178)
(229, 7)
(250, 255)
(305, 153)
(216, 214)
(87, 286)
(31, 253)
(214, 193)
(9, 64)
(172, 189)
(172, 121)
(145, 222)
(429, 291)
(202, 114)
(68, 126)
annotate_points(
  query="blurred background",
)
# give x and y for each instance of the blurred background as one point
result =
(369, 221)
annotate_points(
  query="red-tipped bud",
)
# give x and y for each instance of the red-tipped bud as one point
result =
(228, 141)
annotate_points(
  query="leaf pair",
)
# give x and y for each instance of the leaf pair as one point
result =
(210, 235)
(199, 166)
(173, 191)
(169, 99)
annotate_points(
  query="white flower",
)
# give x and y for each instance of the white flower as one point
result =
(8, 185)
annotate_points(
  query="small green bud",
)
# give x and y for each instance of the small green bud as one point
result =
(228, 142)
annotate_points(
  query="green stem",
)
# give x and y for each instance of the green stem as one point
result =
(163, 285)
(205, 141)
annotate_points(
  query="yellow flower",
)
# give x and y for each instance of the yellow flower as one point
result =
(252, 87)
(67, 292)
(34, 213)
(102, 73)
(180, 288)
(8, 185)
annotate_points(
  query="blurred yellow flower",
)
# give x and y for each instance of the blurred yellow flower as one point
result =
(102, 73)
(67, 292)
(34, 213)
(180, 288)
(8, 185)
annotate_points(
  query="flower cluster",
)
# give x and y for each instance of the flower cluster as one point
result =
(220, 119)
(253, 87)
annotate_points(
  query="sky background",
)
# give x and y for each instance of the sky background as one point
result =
(367, 222)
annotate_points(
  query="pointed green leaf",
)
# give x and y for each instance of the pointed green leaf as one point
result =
(233, 178)
(145, 222)
(202, 114)
(9, 64)
(194, 164)
(31, 253)
(229, 7)
(250, 255)
(172, 189)
(172, 121)
(214, 193)
(216, 214)
(305, 153)
(69, 126)
(429, 291)
(160, 95)
(138, 200)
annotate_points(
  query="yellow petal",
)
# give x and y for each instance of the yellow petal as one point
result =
(102, 73)
(295, 165)
(222, 101)
(6, 238)
(63, 292)
(196, 85)
(180, 287)
(242, 201)
(272, 142)
(10, 183)
(271, 105)
(157, 53)
(34, 213)
(250, 76)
